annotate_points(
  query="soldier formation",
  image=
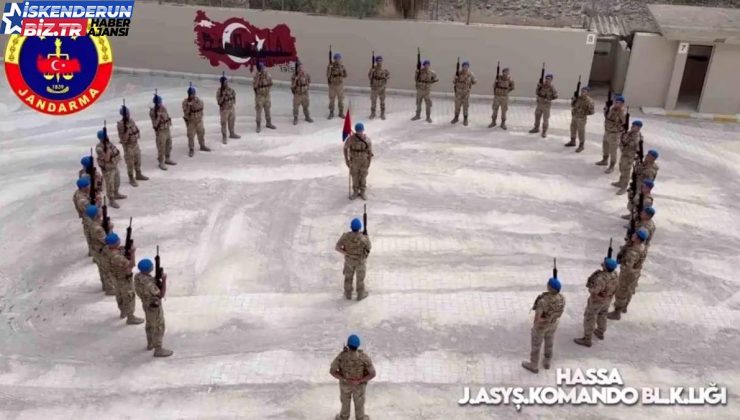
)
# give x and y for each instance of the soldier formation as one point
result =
(615, 281)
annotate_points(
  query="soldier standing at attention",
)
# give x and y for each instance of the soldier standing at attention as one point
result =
(602, 285)
(299, 85)
(548, 307)
(633, 205)
(358, 153)
(378, 80)
(463, 82)
(502, 87)
(192, 110)
(120, 271)
(613, 127)
(425, 78)
(151, 295)
(128, 134)
(92, 221)
(648, 169)
(335, 75)
(81, 200)
(631, 258)
(581, 108)
(161, 122)
(262, 83)
(355, 246)
(108, 159)
(226, 99)
(354, 369)
(546, 93)
(646, 222)
(628, 143)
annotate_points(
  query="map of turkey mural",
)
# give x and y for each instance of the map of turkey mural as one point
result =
(236, 42)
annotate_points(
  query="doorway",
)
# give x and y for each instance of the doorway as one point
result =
(697, 64)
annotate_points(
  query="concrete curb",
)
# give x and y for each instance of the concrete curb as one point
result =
(726, 118)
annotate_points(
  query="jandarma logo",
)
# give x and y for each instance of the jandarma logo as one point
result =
(68, 18)
(58, 75)
(593, 387)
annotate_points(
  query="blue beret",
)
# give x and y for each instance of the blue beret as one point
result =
(157, 100)
(549, 76)
(86, 161)
(360, 127)
(426, 63)
(353, 341)
(653, 153)
(356, 225)
(610, 264)
(648, 183)
(91, 210)
(554, 283)
(637, 123)
(101, 135)
(337, 56)
(145, 265)
(379, 58)
(83, 182)
(619, 98)
(112, 239)
(466, 64)
(643, 234)
(650, 211)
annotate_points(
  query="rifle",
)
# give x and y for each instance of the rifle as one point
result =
(554, 268)
(542, 74)
(626, 125)
(498, 69)
(158, 274)
(373, 63)
(610, 250)
(329, 75)
(457, 73)
(106, 219)
(91, 171)
(364, 220)
(125, 118)
(129, 240)
(609, 102)
(105, 137)
(156, 105)
(418, 63)
(578, 88)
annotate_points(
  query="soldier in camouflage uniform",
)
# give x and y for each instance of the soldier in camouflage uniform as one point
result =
(151, 296)
(108, 158)
(299, 85)
(628, 144)
(161, 122)
(358, 153)
(192, 113)
(378, 80)
(120, 271)
(546, 93)
(646, 222)
(502, 87)
(425, 78)
(92, 222)
(548, 306)
(631, 258)
(647, 200)
(462, 84)
(87, 164)
(262, 83)
(81, 200)
(335, 75)
(602, 285)
(226, 99)
(613, 128)
(581, 108)
(128, 134)
(355, 246)
(354, 369)
(648, 169)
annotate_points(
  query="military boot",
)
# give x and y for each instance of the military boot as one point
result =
(259, 127)
(141, 176)
(583, 341)
(429, 119)
(234, 136)
(503, 124)
(599, 335)
(609, 170)
(295, 120)
(162, 167)
(546, 362)
(544, 134)
(603, 162)
(615, 184)
(530, 367)
(455, 120)
(223, 140)
(162, 352)
(348, 295)
(492, 124)
(112, 202)
(354, 195)
(169, 161)
(622, 191)
(571, 143)
(308, 119)
(331, 115)
(133, 320)
(270, 126)
(534, 130)
(416, 117)
(361, 295)
(580, 148)
(465, 120)
(191, 152)
(205, 148)
(119, 196)
(382, 114)
(132, 181)
(616, 314)
(372, 115)
(149, 345)
(341, 114)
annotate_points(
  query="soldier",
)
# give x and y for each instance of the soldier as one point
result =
(108, 159)
(548, 307)
(358, 153)
(120, 271)
(647, 200)
(92, 223)
(87, 164)
(128, 134)
(335, 75)
(463, 82)
(354, 369)
(425, 78)
(299, 85)
(602, 285)
(613, 127)
(628, 144)
(581, 108)
(355, 246)
(262, 83)
(161, 122)
(546, 93)
(631, 259)
(648, 169)
(503, 85)
(378, 80)
(81, 200)
(151, 296)
(226, 99)
(646, 222)
(192, 113)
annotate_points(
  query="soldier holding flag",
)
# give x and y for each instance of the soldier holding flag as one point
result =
(358, 153)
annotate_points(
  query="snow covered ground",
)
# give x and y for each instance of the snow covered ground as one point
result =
(465, 222)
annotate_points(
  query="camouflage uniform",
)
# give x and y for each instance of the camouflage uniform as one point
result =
(501, 89)
(546, 93)
(601, 287)
(580, 110)
(98, 183)
(108, 158)
(358, 152)
(161, 122)
(299, 85)
(463, 82)
(646, 170)
(356, 246)
(81, 200)
(262, 83)
(551, 306)
(120, 268)
(648, 225)
(129, 135)
(352, 364)
(335, 75)
(633, 205)
(425, 78)
(378, 80)
(192, 111)
(631, 260)
(151, 301)
(613, 127)
(97, 242)
(628, 144)
(226, 99)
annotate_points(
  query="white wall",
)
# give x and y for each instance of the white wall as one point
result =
(721, 88)
(649, 71)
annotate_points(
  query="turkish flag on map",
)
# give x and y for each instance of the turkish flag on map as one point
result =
(57, 65)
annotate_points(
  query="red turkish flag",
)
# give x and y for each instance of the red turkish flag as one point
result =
(57, 65)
